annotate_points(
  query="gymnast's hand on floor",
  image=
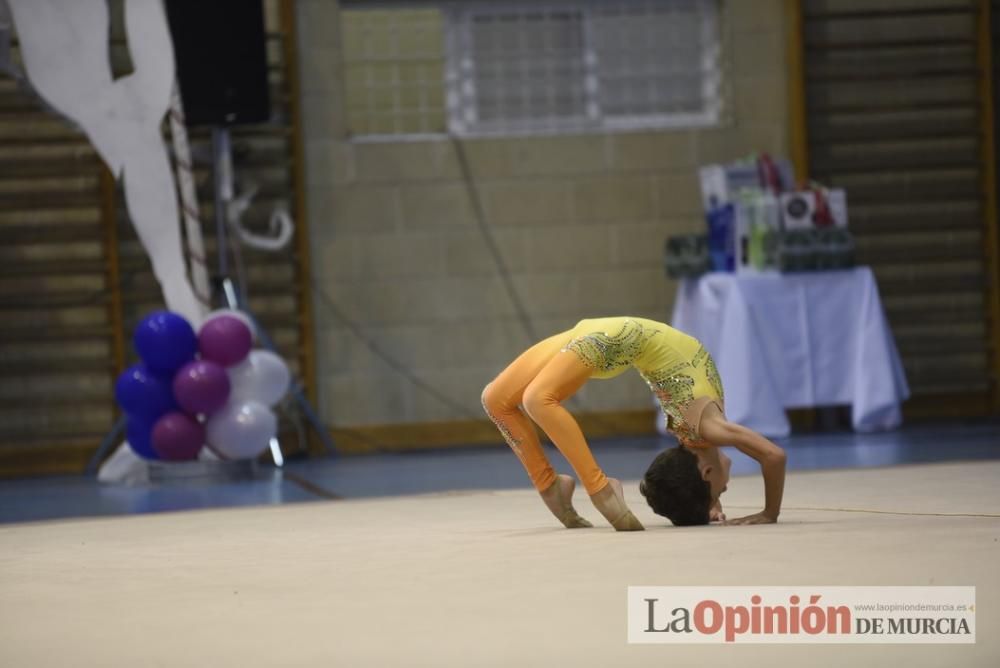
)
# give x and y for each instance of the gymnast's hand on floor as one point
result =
(756, 518)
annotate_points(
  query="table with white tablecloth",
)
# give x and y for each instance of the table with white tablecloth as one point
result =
(794, 341)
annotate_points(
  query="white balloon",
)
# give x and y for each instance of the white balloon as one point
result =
(262, 376)
(233, 313)
(242, 429)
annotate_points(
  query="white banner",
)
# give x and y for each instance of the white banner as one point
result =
(805, 614)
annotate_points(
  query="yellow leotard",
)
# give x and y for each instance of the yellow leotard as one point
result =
(675, 366)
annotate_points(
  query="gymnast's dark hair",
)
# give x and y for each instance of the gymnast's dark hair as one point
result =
(674, 488)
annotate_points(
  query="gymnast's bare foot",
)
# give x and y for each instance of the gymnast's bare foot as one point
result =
(559, 498)
(611, 502)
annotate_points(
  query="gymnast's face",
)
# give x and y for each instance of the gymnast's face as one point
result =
(714, 466)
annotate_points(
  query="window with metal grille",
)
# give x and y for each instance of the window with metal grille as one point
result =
(521, 67)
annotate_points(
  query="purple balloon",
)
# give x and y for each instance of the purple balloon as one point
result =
(201, 387)
(177, 437)
(225, 340)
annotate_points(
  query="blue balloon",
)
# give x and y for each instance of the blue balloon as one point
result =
(165, 341)
(139, 435)
(144, 394)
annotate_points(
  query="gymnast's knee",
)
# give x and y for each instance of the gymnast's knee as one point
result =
(537, 402)
(492, 402)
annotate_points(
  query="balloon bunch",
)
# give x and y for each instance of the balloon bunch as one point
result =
(191, 389)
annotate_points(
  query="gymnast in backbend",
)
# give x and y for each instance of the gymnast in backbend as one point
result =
(683, 483)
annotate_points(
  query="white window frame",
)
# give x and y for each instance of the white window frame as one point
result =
(460, 74)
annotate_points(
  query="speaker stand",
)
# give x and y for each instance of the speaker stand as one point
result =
(236, 297)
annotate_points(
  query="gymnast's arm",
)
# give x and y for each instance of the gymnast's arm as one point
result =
(719, 431)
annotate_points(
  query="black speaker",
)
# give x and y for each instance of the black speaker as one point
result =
(221, 53)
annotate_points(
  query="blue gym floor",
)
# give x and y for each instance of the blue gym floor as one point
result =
(470, 468)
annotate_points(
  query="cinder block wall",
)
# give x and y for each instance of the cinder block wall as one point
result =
(580, 220)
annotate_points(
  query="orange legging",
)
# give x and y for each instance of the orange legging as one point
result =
(539, 380)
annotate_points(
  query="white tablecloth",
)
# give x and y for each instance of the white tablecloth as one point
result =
(797, 340)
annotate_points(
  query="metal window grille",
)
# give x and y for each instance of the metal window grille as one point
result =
(520, 67)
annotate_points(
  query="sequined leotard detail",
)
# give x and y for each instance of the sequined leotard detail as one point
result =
(676, 367)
